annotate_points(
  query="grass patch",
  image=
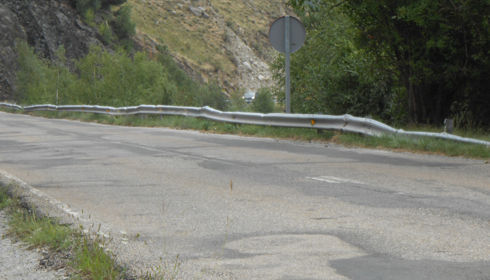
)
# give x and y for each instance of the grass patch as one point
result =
(4, 199)
(93, 261)
(419, 144)
(39, 232)
(88, 259)
(480, 133)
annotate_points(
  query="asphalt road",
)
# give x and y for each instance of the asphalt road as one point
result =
(229, 207)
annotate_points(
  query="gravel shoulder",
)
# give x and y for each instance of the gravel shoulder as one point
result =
(17, 262)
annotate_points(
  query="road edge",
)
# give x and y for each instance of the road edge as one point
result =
(43, 205)
(37, 201)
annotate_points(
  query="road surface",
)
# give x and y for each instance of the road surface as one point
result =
(230, 207)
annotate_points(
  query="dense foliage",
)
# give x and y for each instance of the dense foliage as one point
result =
(263, 101)
(106, 77)
(112, 24)
(419, 60)
(330, 75)
(109, 78)
(123, 26)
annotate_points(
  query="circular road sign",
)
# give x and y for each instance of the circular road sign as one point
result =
(277, 36)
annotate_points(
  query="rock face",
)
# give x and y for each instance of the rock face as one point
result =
(46, 25)
(199, 11)
(253, 71)
(10, 31)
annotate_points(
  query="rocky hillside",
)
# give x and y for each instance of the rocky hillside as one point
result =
(215, 40)
(45, 25)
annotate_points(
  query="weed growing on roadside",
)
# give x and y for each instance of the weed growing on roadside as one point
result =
(93, 261)
(418, 144)
(166, 271)
(89, 258)
(39, 232)
(4, 198)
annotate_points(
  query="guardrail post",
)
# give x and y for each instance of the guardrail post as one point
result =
(448, 126)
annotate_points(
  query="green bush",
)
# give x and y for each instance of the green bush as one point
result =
(237, 102)
(41, 81)
(89, 17)
(212, 96)
(106, 32)
(122, 24)
(263, 101)
(110, 78)
(102, 78)
(119, 80)
(83, 5)
(188, 91)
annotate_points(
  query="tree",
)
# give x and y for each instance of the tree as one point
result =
(124, 27)
(439, 50)
(117, 79)
(330, 74)
(41, 81)
(212, 96)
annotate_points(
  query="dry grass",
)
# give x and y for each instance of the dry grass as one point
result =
(200, 42)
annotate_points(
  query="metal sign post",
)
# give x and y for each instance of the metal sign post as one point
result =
(287, 48)
(287, 35)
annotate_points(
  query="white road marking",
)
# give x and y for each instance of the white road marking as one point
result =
(335, 180)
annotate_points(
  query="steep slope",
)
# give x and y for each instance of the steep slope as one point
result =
(223, 41)
(214, 40)
(46, 25)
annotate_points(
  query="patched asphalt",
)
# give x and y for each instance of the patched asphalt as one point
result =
(230, 207)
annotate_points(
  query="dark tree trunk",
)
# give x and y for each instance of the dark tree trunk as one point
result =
(411, 95)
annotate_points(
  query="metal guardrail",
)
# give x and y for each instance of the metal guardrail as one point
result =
(346, 123)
